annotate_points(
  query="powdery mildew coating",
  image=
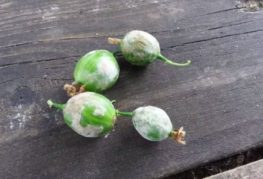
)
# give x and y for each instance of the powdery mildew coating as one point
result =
(107, 73)
(152, 123)
(140, 47)
(103, 77)
(99, 110)
(73, 109)
(97, 70)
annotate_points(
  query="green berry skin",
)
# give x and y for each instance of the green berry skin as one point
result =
(140, 48)
(90, 114)
(98, 70)
(152, 123)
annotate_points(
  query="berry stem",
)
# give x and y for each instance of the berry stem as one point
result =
(122, 113)
(56, 105)
(114, 41)
(178, 135)
(166, 60)
(74, 89)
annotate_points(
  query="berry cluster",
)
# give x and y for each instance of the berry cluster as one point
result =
(91, 114)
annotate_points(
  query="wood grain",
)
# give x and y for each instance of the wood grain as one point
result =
(251, 170)
(218, 99)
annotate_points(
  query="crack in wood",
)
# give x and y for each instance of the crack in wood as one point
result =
(152, 32)
(230, 25)
(224, 10)
(16, 45)
(37, 61)
(3, 82)
(213, 38)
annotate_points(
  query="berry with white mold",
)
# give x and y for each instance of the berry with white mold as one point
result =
(92, 115)
(89, 114)
(153, 124)
(141, 48)
(96, 71)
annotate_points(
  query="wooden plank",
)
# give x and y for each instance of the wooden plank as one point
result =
(218, 99)
(253, 170)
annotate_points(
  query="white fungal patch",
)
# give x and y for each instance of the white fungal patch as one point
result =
(99, 111)
(148, 119)
(109, 71)
(20, 120)
(137, 40)
(73, 109)
(99, 76)
(87, 131)
(20, 116)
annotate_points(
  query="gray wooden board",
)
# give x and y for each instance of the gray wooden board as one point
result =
(218, 99)
(252, 170)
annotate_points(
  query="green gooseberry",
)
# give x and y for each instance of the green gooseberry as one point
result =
(93, 115)
(89, 114)
(141, 48)
(153, 124)
(96, 71)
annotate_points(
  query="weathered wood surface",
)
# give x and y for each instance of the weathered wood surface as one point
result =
(218, 99)
(253, 170)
